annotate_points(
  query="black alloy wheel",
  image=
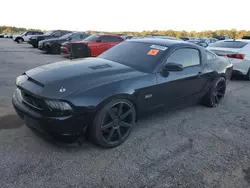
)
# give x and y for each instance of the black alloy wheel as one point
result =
(114, 123)
(216, 94)
(219, 92)
(56, 49)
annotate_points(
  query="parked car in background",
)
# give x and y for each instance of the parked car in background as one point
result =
(189, 38)
(246, 37)
(200, 43)
(129, 37)
(97, 43)
(105, 96)
(54, 45)
(237, 52)
(2, 35)
(34, 40)
(222, 37)
(208, 40)
(7, 35)
(165, 37)
(24, 37)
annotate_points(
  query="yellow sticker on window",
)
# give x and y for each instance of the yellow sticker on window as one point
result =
(153, 52)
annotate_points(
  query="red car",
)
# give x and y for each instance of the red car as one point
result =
(98, 43)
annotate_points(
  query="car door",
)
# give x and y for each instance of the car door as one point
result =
(27, 35)
(181, 87)
(103, 45)
(106, 42)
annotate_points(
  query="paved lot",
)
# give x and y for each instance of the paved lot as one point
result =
(191, 147)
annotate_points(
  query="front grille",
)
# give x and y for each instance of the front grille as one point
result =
(32, 101)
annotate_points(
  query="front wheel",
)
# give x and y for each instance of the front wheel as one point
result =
(20, 40)
(56, 49)
(216, 93)
(113, 123)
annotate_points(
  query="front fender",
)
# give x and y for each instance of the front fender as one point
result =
(100, 95)
(97, 96)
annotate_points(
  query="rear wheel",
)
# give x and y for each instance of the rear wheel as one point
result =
(216, 93)
(113, 123)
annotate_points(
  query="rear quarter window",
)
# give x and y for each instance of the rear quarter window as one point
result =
(229, 44)
(210, 56)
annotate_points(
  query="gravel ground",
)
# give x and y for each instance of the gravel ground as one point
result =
(193, 147)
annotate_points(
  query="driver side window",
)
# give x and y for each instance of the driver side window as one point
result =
(77, 37)
(186, 57)
(57, 34)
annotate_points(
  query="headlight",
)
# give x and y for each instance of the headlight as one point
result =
(47, 43)
(21, 79)
(58, 106)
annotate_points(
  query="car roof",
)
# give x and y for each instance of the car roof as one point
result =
(105, 34)
(237, 40)
(158, 41)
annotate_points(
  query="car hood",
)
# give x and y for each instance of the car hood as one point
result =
(42, 37)
(74, 76)
(54, 40)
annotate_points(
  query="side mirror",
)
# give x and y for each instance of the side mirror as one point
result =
(173, 67)
(99, 40)
(70, 38)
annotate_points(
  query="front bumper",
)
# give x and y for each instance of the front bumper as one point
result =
(64, 51)
(68, 126)
(44, 47)
(33, 42)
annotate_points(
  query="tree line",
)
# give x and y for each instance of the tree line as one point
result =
(233, 33)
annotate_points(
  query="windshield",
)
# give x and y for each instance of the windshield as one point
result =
(141, 56)
(66, 36)
(48, 33)
(229, 44)
(92, 38)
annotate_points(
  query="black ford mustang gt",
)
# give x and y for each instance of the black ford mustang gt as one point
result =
(104, 96)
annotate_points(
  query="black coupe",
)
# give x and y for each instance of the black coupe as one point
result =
(54, 45)
(104, 96)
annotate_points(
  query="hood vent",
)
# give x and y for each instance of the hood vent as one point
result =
(104, 66)
(35, 82)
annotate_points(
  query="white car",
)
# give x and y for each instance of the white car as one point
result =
(7, 35)
(24, 37)
(237, 52)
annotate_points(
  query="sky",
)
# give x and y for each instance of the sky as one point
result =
(126, 15)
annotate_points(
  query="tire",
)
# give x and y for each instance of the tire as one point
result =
(248, 75)
(35, 45)
(113, 123)
(19, 40)
(216, 93)
(56, 49)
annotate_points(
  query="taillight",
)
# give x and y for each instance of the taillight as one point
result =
(236, 56)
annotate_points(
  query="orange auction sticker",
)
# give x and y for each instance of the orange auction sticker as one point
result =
(153, 52)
